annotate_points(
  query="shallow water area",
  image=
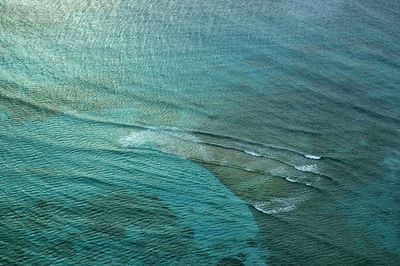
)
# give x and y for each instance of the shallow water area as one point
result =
(93, 202)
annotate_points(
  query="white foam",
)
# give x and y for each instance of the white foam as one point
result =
(252, 153)
(177, 143)
(307, 183)
(138, 138)
(276, 205)
(313, 157)
(291, 179)
(307, 168)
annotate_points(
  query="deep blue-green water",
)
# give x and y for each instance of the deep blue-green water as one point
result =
(199, 132)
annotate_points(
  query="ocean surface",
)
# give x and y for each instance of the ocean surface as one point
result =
(256, 132)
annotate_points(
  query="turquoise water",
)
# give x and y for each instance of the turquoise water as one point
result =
(198, 132)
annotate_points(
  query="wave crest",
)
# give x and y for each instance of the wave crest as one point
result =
(276, 205)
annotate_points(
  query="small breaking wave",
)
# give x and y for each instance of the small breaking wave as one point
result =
(312, 157)
(276, 205)
(293, 180)
(307, 168)
(252, 153)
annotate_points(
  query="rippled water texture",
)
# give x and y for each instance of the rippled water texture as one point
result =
(200, 132)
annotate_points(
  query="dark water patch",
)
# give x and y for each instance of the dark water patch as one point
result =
(63, 248)
(21, 110)
(230, 262)
(103, 219)
(296, 242)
